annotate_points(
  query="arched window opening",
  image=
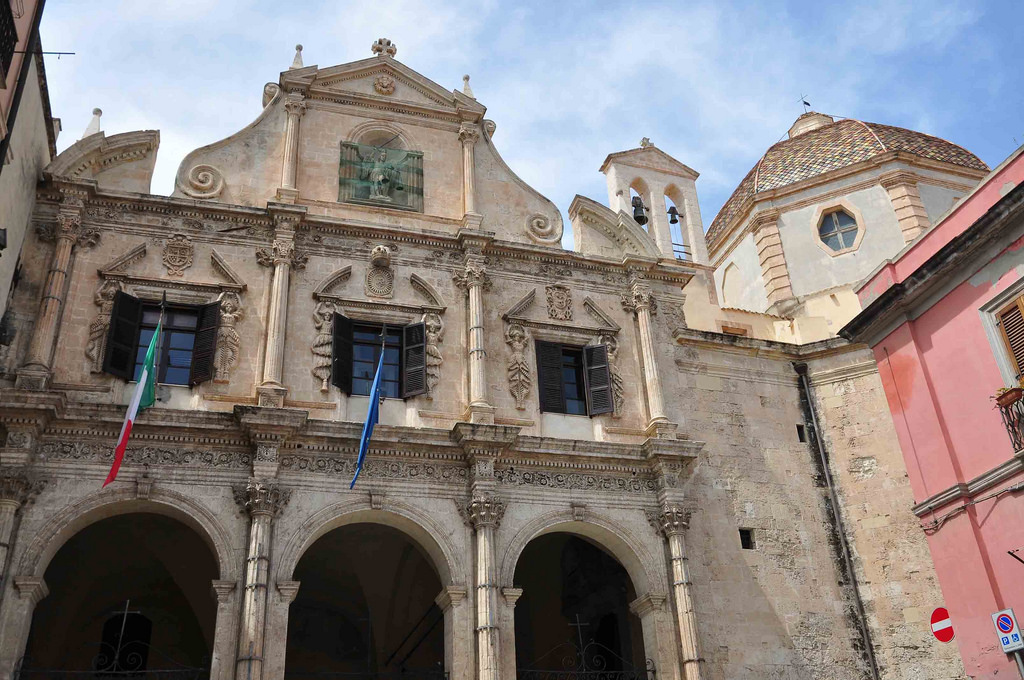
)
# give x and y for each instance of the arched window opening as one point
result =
(676, 219)
(366, 608)
(573, 617)
(128, 594)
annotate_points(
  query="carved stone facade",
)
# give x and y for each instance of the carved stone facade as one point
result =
(472, 472)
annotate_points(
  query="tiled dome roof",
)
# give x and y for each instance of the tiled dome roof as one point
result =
(830, 147)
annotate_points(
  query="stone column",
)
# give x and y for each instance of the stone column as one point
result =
(774, 269)
(17, 487)
(508, 630)
(906, 201)
(468, 135)
(473, 280)
(641, 302)
(484, 513)
(659, 642)
(16, 620)
(262, 501)
(673, 522)
(277, 621)
(449, 601)
(224, 631)
(295, 106)
(282, 256)
(67, 233)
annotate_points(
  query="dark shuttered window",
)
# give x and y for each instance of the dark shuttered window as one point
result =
(1011, 320)
(187, 346)
(573, 380)
(357, 350)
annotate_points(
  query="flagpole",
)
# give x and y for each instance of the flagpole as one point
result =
(160, 344)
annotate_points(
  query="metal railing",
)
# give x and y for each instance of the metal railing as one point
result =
(593, 662)
(1013, 419)
(133, 660)
(8, 38)
(681, 251)
(410, 674)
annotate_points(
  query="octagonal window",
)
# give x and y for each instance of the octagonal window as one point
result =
(838, 230)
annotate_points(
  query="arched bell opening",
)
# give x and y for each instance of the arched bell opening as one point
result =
(365, 608)
(573, 616)
(640, 203)
(129, 595)
(675, 212)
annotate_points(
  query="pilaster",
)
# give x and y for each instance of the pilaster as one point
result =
(469, 133)
(295, 107)
(473, 280)
(774, 270)
(640, 301)
(906, 201)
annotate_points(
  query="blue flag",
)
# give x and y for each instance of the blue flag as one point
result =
(371, 419)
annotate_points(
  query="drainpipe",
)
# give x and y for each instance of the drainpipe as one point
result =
(816, 442)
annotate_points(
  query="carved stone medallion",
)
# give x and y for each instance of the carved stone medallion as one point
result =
(559, 302)
(384, 84)
(380, 277)
(178, 253)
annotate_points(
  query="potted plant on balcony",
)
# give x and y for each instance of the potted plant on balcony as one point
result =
(1008, 396)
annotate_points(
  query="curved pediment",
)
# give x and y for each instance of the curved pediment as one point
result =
(600, 231)
(123, 162)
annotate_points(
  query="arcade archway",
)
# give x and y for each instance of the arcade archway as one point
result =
(128, 594)
(365, 607)
(573, 618)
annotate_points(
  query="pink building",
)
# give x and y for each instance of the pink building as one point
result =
(944, 319)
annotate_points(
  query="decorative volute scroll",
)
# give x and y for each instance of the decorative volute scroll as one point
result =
(104, 299)
(519, 379)
(203, 181)
(543, 230)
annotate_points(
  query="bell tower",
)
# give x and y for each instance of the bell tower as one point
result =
(660, 193)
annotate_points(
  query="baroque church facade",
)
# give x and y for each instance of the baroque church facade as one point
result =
(609, 460)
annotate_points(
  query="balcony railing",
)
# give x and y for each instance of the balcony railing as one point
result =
(1013, 419)
(8, 39)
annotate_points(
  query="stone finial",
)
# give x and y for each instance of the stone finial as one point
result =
(466, 89)
(297, 61)
(94, 125)
(645, 142)
(383, 46)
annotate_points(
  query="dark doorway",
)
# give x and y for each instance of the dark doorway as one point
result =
(365, 608)
(573, 619)
(129, 595)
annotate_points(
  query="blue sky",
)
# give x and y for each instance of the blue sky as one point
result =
(712, 83)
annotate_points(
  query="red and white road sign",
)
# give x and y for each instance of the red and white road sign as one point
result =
(942, 627)
(1007, 630)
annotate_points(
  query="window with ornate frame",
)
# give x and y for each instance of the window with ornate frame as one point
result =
(574, 380)
(356, 350)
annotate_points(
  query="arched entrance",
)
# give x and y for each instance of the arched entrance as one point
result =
(128, 594)
(365, 608)
(573, 618)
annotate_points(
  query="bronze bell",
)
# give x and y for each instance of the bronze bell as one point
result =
(638, 211)
(673, 215)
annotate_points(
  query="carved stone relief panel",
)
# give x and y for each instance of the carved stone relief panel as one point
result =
(559, 302)
(435, 334)
(228, 341)
(618, 387)
(178, 254)
(322, 317)
(380, 277)
(104, 299)
(518, 365)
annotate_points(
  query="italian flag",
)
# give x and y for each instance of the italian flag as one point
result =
(144, 397)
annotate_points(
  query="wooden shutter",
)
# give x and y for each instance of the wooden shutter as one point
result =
(341, 353)
(549, 377)
(599, 380)
(123, 336)
(414, 360)
(1012, 322)
(205, 348)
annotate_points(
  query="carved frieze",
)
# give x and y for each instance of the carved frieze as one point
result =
(178, 254)
(435, 334)
(559, 299)
(519, 380)
(323, 315)
(575, 480)
(228, 341)
(104, 299)
(375, 468)
(145, 455)
(380, 277)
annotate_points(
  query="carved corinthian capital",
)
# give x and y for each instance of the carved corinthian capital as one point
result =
(281, 252)
(295, 105)
(468, 134)
(474, 274)
(639, 297)
(483, 511)
(670, 520)
(261, 498)
(17, 485)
